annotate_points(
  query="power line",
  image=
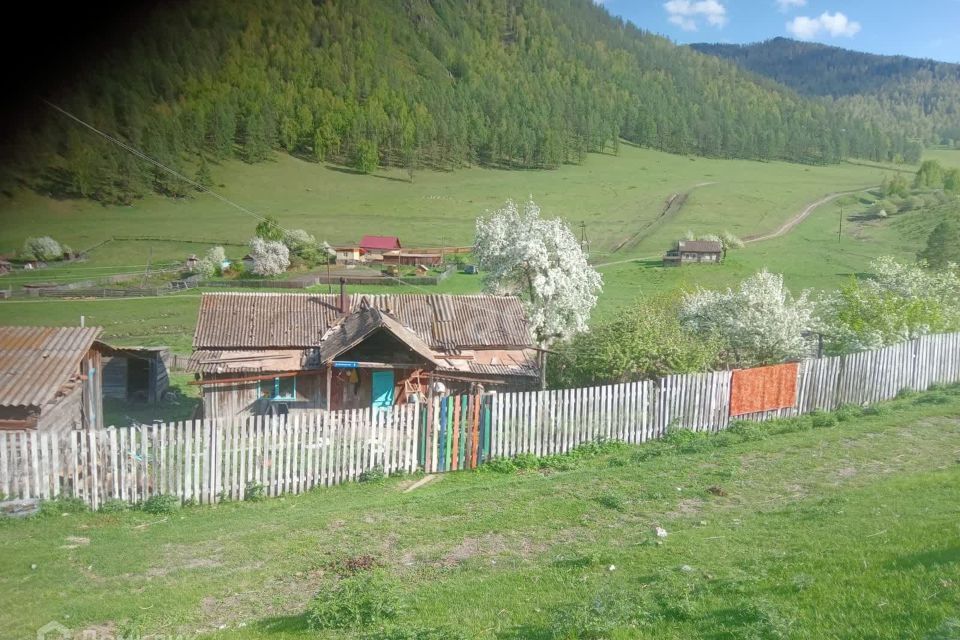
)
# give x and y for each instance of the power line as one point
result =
(198, 186)
(143, 156)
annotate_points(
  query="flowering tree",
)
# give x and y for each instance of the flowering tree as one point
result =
(541, 262)
(305, 246)
(899, 302)
(760, 322)
(212, 263)
(270, 257)
(42, 248)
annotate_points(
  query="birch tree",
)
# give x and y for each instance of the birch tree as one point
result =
(541, 262)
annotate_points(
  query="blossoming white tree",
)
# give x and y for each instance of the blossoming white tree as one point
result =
(760, 321)
(899, 302)
(541, 262)
(270, 257)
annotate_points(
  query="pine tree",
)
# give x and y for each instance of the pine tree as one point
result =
(943, 246)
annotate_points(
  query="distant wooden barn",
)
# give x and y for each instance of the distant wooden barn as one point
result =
(135, 374)
(694, 251)
(50, 378)
(412, 259)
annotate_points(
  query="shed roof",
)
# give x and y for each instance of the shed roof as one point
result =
(300, 320)
(385, 243)
(700, 246)
(36, 362)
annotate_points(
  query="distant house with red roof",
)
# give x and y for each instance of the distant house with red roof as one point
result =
(379, 244)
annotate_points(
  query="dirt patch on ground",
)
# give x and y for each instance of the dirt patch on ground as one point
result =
(686, 508)
(74, 542)
(182, 557)
(490, 546)
(846, 472)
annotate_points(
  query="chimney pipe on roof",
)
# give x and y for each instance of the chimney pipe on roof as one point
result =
(344, 301)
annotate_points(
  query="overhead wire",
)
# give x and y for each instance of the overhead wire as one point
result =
(143, 156)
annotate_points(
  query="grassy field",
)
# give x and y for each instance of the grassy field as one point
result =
(837, 526)
(620, 199)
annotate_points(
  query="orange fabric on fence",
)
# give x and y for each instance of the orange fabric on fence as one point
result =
(764, 388)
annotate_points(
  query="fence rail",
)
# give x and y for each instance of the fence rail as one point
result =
(210, 460)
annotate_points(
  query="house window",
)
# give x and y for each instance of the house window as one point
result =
(279, 388)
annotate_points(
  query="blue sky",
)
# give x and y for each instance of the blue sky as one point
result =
(919, 28)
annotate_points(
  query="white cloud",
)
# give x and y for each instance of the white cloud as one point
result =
(834, 24)
(686, 14)
(787, 5)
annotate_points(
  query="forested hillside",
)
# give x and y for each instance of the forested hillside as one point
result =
(919, 98)
(418, 83)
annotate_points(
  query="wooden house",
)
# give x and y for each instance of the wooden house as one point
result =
(379, 245)
(50, 378)
(349, 254)
(278, 353)
(694, 251)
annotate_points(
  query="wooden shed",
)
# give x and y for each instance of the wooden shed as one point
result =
(412, 259)
(50, 378)
(135, 374)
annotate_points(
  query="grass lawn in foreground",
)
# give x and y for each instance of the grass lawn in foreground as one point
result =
(806, 529)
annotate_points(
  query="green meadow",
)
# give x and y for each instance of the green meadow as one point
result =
(839, 525)
(620, 198)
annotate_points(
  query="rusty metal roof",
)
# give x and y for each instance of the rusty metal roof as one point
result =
(36, 362)
(263, 360)
(300, 320)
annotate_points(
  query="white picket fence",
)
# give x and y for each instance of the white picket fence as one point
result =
(207, 461)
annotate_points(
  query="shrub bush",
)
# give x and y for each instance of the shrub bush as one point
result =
(820, 420)
(161, 504)
(847, 412)
(747, 430)
(254, 492)
(356, 601)
(61, 505)
(375, 474)
(114, 505)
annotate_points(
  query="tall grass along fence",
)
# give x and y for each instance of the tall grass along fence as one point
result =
(206, 461)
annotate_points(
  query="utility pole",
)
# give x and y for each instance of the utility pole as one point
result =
(146, 273)
(840, 228)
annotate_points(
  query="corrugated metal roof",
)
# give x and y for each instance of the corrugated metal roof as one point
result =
(380, 242)
(35, 362)
(700, 246)
(274, 360)
(500, 362)
(299, 320)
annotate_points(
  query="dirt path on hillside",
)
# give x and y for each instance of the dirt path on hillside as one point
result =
(671, 207)
(784, 229)
(787, 226)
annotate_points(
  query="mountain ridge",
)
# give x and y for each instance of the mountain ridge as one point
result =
(919, 97)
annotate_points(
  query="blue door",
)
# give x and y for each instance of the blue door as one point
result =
(382, 389)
